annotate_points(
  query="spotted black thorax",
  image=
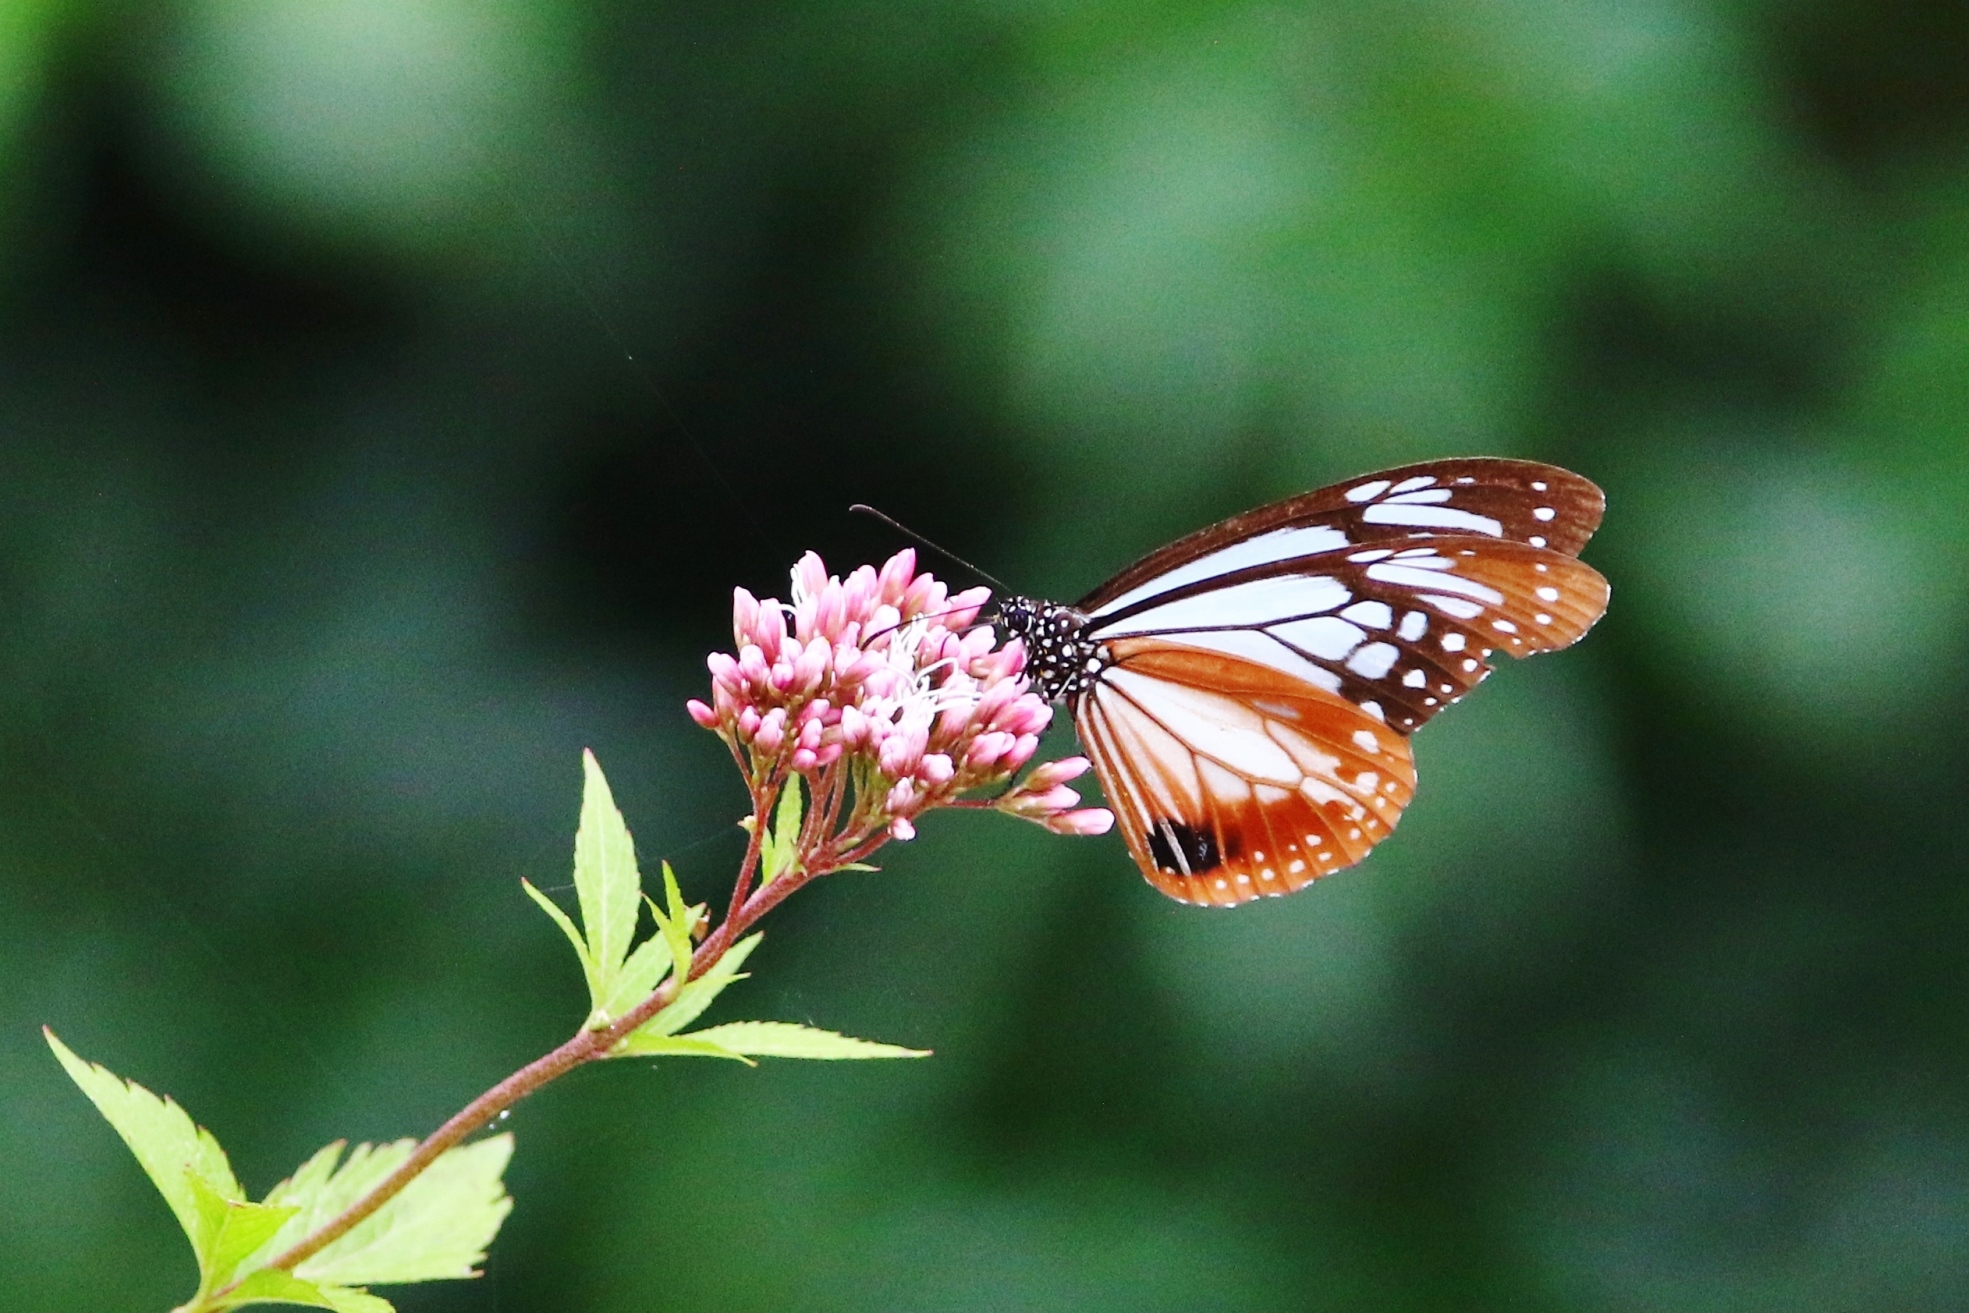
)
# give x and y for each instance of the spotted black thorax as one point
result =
(1059, 661)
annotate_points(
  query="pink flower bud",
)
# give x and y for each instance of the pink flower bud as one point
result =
(1088, 820)
(724, 670)
(897, 571)
(924, 595)
(965, 606)
(827, 754)
(811, 664)
(772, 732)
(805, 759)
(859, 592)
(745, 616)
(935, 769)
(752, 666)
(996, 698)
(769, 631)
(986, 749)
(898, 755)
(830, 612)
(1020, 752)
(748, 723)
(1047, 774)
(810, 575)
(1026, 716)
(854, 726)
(901, 830)
(702, 714)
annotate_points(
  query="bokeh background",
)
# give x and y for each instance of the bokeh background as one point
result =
(391, 392)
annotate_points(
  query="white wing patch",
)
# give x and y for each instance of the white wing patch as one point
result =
(1247, 604)
(1212, 725)
(1278, 545)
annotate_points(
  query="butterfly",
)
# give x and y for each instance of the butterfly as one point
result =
(1246, 694)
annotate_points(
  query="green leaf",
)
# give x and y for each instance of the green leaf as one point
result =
(567, 928)
(698, 994)
(784, 1039)
(676, 924)
(271, 1286)
(231, 1229)
(605, 879)
(640, 1045)
(638, 976)
(437, 1228)
(783, 840)
(171, 1150)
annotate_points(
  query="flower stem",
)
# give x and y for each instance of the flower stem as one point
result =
(586, 1046)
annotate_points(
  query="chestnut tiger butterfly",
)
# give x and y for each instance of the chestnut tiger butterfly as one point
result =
(1246, 693)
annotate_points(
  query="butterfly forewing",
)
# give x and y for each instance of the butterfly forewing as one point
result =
(1398, 618)
(1505, 500)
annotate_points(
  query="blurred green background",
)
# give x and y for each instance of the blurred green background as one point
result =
(391, 392)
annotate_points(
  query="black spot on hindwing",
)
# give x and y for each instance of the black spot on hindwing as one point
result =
(1180, 850)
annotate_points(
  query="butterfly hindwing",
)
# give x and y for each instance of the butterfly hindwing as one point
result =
(1232, 781)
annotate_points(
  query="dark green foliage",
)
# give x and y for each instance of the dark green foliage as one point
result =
(334, 523)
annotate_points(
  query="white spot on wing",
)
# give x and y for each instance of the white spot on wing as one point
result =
(1364, 491)
(1364, 740)
(1411, 484)
(1414, 679)
(1548, 594)
(1374, 660)
(1375, 615)
(1536, 541)
(1324, 636)
(1461, 608)
(1452, 642)
(1439, 578)
(1414, 625)
(1432, 517)
(1543, 513)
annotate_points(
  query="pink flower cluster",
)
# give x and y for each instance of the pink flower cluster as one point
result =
(884, 685)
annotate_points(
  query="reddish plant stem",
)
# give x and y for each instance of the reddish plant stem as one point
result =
(584, 1047)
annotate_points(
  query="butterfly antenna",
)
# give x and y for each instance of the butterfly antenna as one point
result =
(908, 532)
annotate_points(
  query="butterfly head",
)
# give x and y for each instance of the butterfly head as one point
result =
(1060, 660)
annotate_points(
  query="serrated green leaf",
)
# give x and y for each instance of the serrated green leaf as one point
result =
(171, 1150)
(640, 1045)
(784, 1039)
(548, 906)
(638, 976)
(437, 1228)
(675, 925)
(782, 841)
(698, 994)
(606, 881)
(232, 1230)
(270, 1286)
